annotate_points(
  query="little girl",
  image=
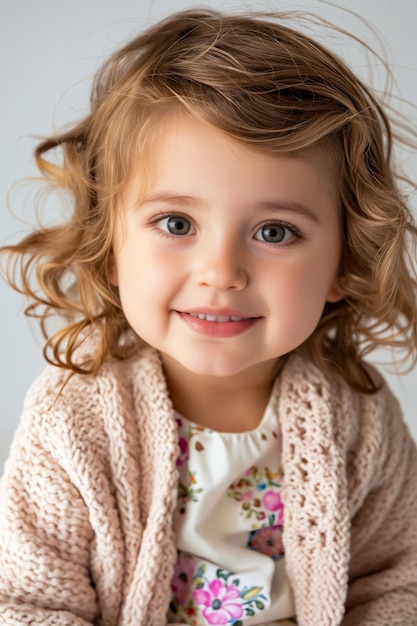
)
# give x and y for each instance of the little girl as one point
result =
(208, 445)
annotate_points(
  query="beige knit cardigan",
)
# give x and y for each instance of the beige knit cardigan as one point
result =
(89, 491)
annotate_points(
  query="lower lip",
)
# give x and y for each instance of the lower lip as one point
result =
(218, 329)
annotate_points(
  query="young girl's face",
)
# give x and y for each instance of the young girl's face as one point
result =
(227, 262)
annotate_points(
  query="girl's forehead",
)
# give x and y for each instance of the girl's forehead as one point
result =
(193, 159)
(198, 143)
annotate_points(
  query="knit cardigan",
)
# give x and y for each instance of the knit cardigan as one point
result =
(89, 491)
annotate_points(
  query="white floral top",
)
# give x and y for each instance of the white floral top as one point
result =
(229, 520)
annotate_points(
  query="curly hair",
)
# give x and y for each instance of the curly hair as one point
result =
(270, 87)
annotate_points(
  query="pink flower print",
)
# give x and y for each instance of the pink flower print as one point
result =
(221, 602)
(271, 501)
(258, 494)
(184, 451)
(246, 496)
(267, 541)
(181, 582)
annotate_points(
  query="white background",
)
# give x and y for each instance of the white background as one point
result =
(49, 50)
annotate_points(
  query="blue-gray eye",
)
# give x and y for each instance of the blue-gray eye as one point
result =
(273, 233)
(177, 225)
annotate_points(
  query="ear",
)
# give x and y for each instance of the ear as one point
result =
(335, 292)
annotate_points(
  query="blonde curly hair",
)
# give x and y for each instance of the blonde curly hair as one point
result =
(271, 87)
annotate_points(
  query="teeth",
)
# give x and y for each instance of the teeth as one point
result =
(217, 318)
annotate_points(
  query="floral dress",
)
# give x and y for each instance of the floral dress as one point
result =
(229, 520)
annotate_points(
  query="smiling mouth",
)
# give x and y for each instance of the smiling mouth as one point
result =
(217, 326)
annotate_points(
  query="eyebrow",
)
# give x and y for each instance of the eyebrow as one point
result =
(168, 198)
(289, 206)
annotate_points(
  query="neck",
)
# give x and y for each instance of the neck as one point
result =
(225, 404)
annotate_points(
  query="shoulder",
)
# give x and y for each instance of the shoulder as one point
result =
(361, 425)
(73, 411)
(57, 387)
(372, 440)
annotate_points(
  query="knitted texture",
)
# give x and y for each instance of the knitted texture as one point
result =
(89, 491)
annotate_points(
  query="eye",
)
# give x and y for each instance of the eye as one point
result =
(274, 233)
(176, 225)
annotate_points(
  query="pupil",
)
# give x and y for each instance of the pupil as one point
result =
(178, 226)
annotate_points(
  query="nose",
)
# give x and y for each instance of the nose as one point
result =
(220, 265)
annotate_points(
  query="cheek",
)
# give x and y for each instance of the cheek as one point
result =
(143, 278)
(302, 294)
(159, 277)
(302, 287)
(298, 306)
(322, 269)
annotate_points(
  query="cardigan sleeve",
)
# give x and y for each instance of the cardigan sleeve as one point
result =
(61, 548)
(383, 571)
(44, 539)
(87, 499)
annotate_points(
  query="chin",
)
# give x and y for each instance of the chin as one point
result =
(215, 367)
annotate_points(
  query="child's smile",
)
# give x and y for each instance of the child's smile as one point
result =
(217, 322)
(227, 260)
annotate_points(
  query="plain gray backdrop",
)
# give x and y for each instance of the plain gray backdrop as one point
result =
(49, 50)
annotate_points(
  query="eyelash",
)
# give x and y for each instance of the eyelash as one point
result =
(295, 232)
